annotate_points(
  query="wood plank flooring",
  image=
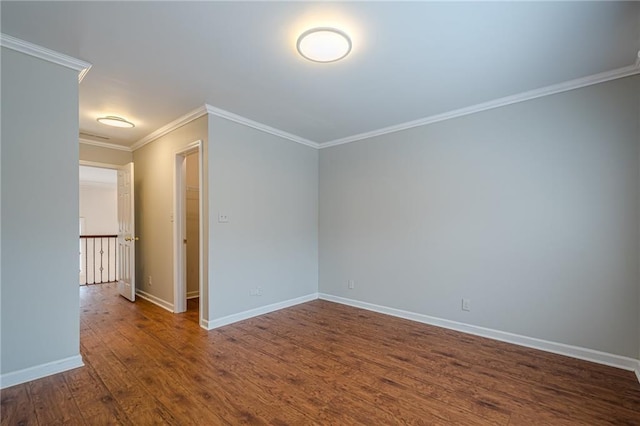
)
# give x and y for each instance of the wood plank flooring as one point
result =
(315, 363)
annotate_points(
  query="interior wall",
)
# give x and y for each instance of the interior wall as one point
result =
(193, 224)
(154, 170)
(39, 179)
(99, 154)
(529, 210)
(267, 186)
(99, 208)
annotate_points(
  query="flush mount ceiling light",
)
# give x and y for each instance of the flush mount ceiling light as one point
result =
(324, 44)
(112, 120)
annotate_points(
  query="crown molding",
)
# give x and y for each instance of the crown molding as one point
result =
(45, 54)
(105, 145)
(178, 122)
(496, 103)
(259, 126)
(208, 109)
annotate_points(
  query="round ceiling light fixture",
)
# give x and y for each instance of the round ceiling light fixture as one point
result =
(112, 120)
(324, 44)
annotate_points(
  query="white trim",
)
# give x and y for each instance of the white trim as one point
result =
(105, 145)
(155, 300)
(179, 232)
(637, 371)
(592, 355)
(241, 316)
(496, 103)
(178, 122)
(179, 228)
(83, 73)
(203, 199)
(39, 371)
(193, 294)
(45, 54)
(100, 165)
(259, 126)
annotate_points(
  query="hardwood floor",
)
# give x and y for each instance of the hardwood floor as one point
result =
(315, 363)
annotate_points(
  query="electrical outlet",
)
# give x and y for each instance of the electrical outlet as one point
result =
(149, 281)
(223, 217)
(466, 304)
(351, 284)
(256, 291)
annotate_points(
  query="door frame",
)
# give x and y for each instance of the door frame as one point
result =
(180, 229)
(100, 165)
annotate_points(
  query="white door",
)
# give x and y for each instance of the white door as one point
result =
(126, 234)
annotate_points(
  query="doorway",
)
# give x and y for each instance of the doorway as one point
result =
(123, 259)
(192, 231)
(188, 241)
(98, 225)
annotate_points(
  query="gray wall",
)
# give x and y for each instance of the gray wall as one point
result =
(154, 169)
(39, 174)
(529, 210)
(268, 186)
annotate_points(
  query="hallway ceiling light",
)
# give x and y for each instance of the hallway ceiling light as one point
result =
(112, 120)
(324, 44)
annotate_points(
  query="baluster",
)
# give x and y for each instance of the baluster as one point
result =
(111, 263)
(86, 261)
(101, 256)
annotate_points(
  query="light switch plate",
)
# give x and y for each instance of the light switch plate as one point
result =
(466, 304)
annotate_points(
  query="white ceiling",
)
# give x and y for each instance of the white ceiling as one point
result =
(155, 61)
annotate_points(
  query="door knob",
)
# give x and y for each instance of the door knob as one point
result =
(131, 238)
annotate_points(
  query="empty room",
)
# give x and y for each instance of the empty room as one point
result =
(327, 213)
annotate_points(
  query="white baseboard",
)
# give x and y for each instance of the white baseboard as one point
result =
(240, 316)
(155, 300)
(193, 294)
(592, 355)
(204, 324)
(39, 371)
